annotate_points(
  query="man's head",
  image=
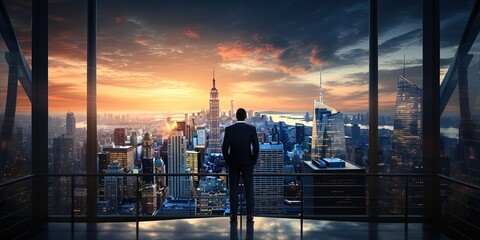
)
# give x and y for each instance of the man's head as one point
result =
(241, 114)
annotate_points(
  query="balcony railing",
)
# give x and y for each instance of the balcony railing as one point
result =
(343, 197)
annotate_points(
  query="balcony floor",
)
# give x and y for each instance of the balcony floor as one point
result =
(220, 228)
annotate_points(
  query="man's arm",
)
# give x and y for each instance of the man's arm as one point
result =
(225, 147)
(255, 146)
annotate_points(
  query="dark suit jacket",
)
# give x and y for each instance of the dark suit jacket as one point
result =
(239, 138)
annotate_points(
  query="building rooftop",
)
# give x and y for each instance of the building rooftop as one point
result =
(326, 162)
(271, 146)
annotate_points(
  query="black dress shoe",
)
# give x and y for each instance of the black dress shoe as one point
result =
(249, 217)
(233, 217)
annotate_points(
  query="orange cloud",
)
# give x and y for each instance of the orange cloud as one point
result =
(244, 56)
(262, 57)
(191, 34)
(313, 57)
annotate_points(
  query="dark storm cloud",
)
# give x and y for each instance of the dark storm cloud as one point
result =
(284, 24)
(387, 79)
(397, 43)
(277, 41)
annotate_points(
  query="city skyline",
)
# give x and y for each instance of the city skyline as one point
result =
(165, 52)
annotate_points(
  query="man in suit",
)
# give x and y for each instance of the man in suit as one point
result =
(240, 150)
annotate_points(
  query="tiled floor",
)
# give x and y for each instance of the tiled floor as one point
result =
(220, 228)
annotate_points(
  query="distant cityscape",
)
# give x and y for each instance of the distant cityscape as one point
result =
(325, 140)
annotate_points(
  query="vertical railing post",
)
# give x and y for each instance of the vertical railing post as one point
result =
(72, 196)
(137, 202)
(301, 207)
(406, 202)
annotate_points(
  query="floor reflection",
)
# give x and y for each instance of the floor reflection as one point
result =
(221, 228)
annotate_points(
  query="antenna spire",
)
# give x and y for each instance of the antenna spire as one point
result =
(403, 65)
(214, 77)
(321, 89)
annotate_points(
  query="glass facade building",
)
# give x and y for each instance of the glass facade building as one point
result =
(407, 133)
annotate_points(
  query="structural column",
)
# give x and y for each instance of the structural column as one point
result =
(431, 107)
(91, 157)
(40, 110)
(373, 112)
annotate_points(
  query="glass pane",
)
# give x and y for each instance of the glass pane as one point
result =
(15, 106)
(400, 77)
(158, 93)
(459, 155)
(67, 105)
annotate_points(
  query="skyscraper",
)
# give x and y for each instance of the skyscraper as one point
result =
(328, 133)
(62, 163)
(214, 142)
(180, 186)
(119, 136)
(299, 133)
(406, 145)
(114, 186)
(192, 163)
(268, 189)
(334, 194)
(71, 125)
(147, 145)
(125, 155)
(407, 133)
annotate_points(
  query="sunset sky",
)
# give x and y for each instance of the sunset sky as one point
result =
(158, 56)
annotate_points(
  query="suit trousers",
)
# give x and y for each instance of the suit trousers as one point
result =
(247, 177)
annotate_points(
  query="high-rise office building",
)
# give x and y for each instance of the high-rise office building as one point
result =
(192, 163)
(149, 199)
(355, 135)
(125, 155)
(201, 136)
(406, 147)
(179, 186)
(407, 133)
(103, 160)
(147, 145)
(333, 194)
(328, 133)
(148, 166)
(133, 138)
(71, 125)
(62, 163)
(119, 136)
(214, 142)
(269, 189)
(114, 186)
(299, 133)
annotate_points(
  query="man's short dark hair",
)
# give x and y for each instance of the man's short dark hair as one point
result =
(241, 114)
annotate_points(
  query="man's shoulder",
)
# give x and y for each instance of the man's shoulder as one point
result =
(242, 125)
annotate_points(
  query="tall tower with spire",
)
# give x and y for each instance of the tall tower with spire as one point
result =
(214, 143)
(328, 134)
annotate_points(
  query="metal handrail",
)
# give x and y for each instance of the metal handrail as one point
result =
(459, 182)
(226, 174)
(20, 179)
